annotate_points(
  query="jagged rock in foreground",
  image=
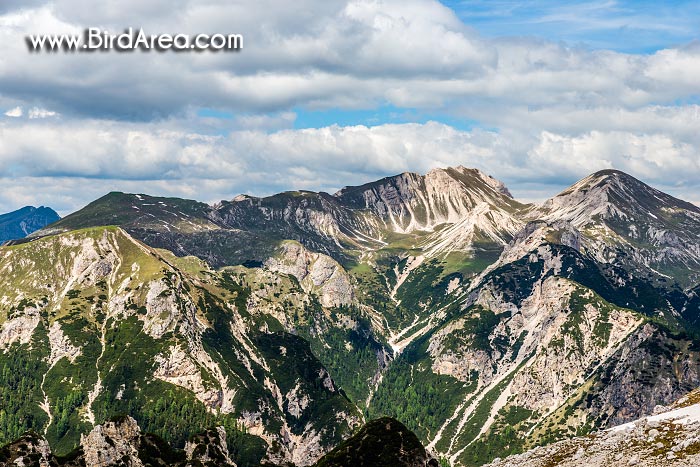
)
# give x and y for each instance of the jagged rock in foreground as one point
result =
(119, 442)
(667, 439)
(29, 450)
(384, 442)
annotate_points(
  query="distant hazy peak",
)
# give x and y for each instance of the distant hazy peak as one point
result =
(22, 222)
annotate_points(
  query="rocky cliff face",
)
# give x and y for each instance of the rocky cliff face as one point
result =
(652, 367)
(409, 201)
(535, 353)
(116, 441)
(315, 272)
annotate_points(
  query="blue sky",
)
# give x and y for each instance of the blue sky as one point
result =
(640, 26)
(327, 93)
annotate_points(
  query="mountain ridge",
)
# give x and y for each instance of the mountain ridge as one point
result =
(484, 325)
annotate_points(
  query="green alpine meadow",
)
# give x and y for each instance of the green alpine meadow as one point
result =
(416, 320)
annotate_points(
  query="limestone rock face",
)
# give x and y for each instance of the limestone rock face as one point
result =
(112, 443)
(30, 450)
(315, 272)
(409, 201)
(19, 328)
(180, 369)
(61, 346)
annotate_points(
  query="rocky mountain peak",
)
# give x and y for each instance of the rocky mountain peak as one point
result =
(612, 194)
(112, 441)
(494, 183)
(409, 201)
(628, 221)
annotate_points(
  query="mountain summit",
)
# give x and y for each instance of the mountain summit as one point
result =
(612, 195)
(410, 201)
(354, 219)
(628, 222)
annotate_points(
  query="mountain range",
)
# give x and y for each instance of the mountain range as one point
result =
(481, 325)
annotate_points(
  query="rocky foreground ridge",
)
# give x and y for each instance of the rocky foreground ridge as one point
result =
(670, 438)
(120, 442)
(383, 442)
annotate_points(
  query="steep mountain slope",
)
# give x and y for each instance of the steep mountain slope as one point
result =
(395, 237)
(410, 202)
(20, 223)
(484, 325)
(445, 227)
(542, 345)
(627, 222)
(93, 323)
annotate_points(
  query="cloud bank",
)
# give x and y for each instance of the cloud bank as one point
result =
(539, 114)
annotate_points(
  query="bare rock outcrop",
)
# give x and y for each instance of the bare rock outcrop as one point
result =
(315, 272)
(114, 442)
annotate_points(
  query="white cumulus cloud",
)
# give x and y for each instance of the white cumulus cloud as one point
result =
(160, 159)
